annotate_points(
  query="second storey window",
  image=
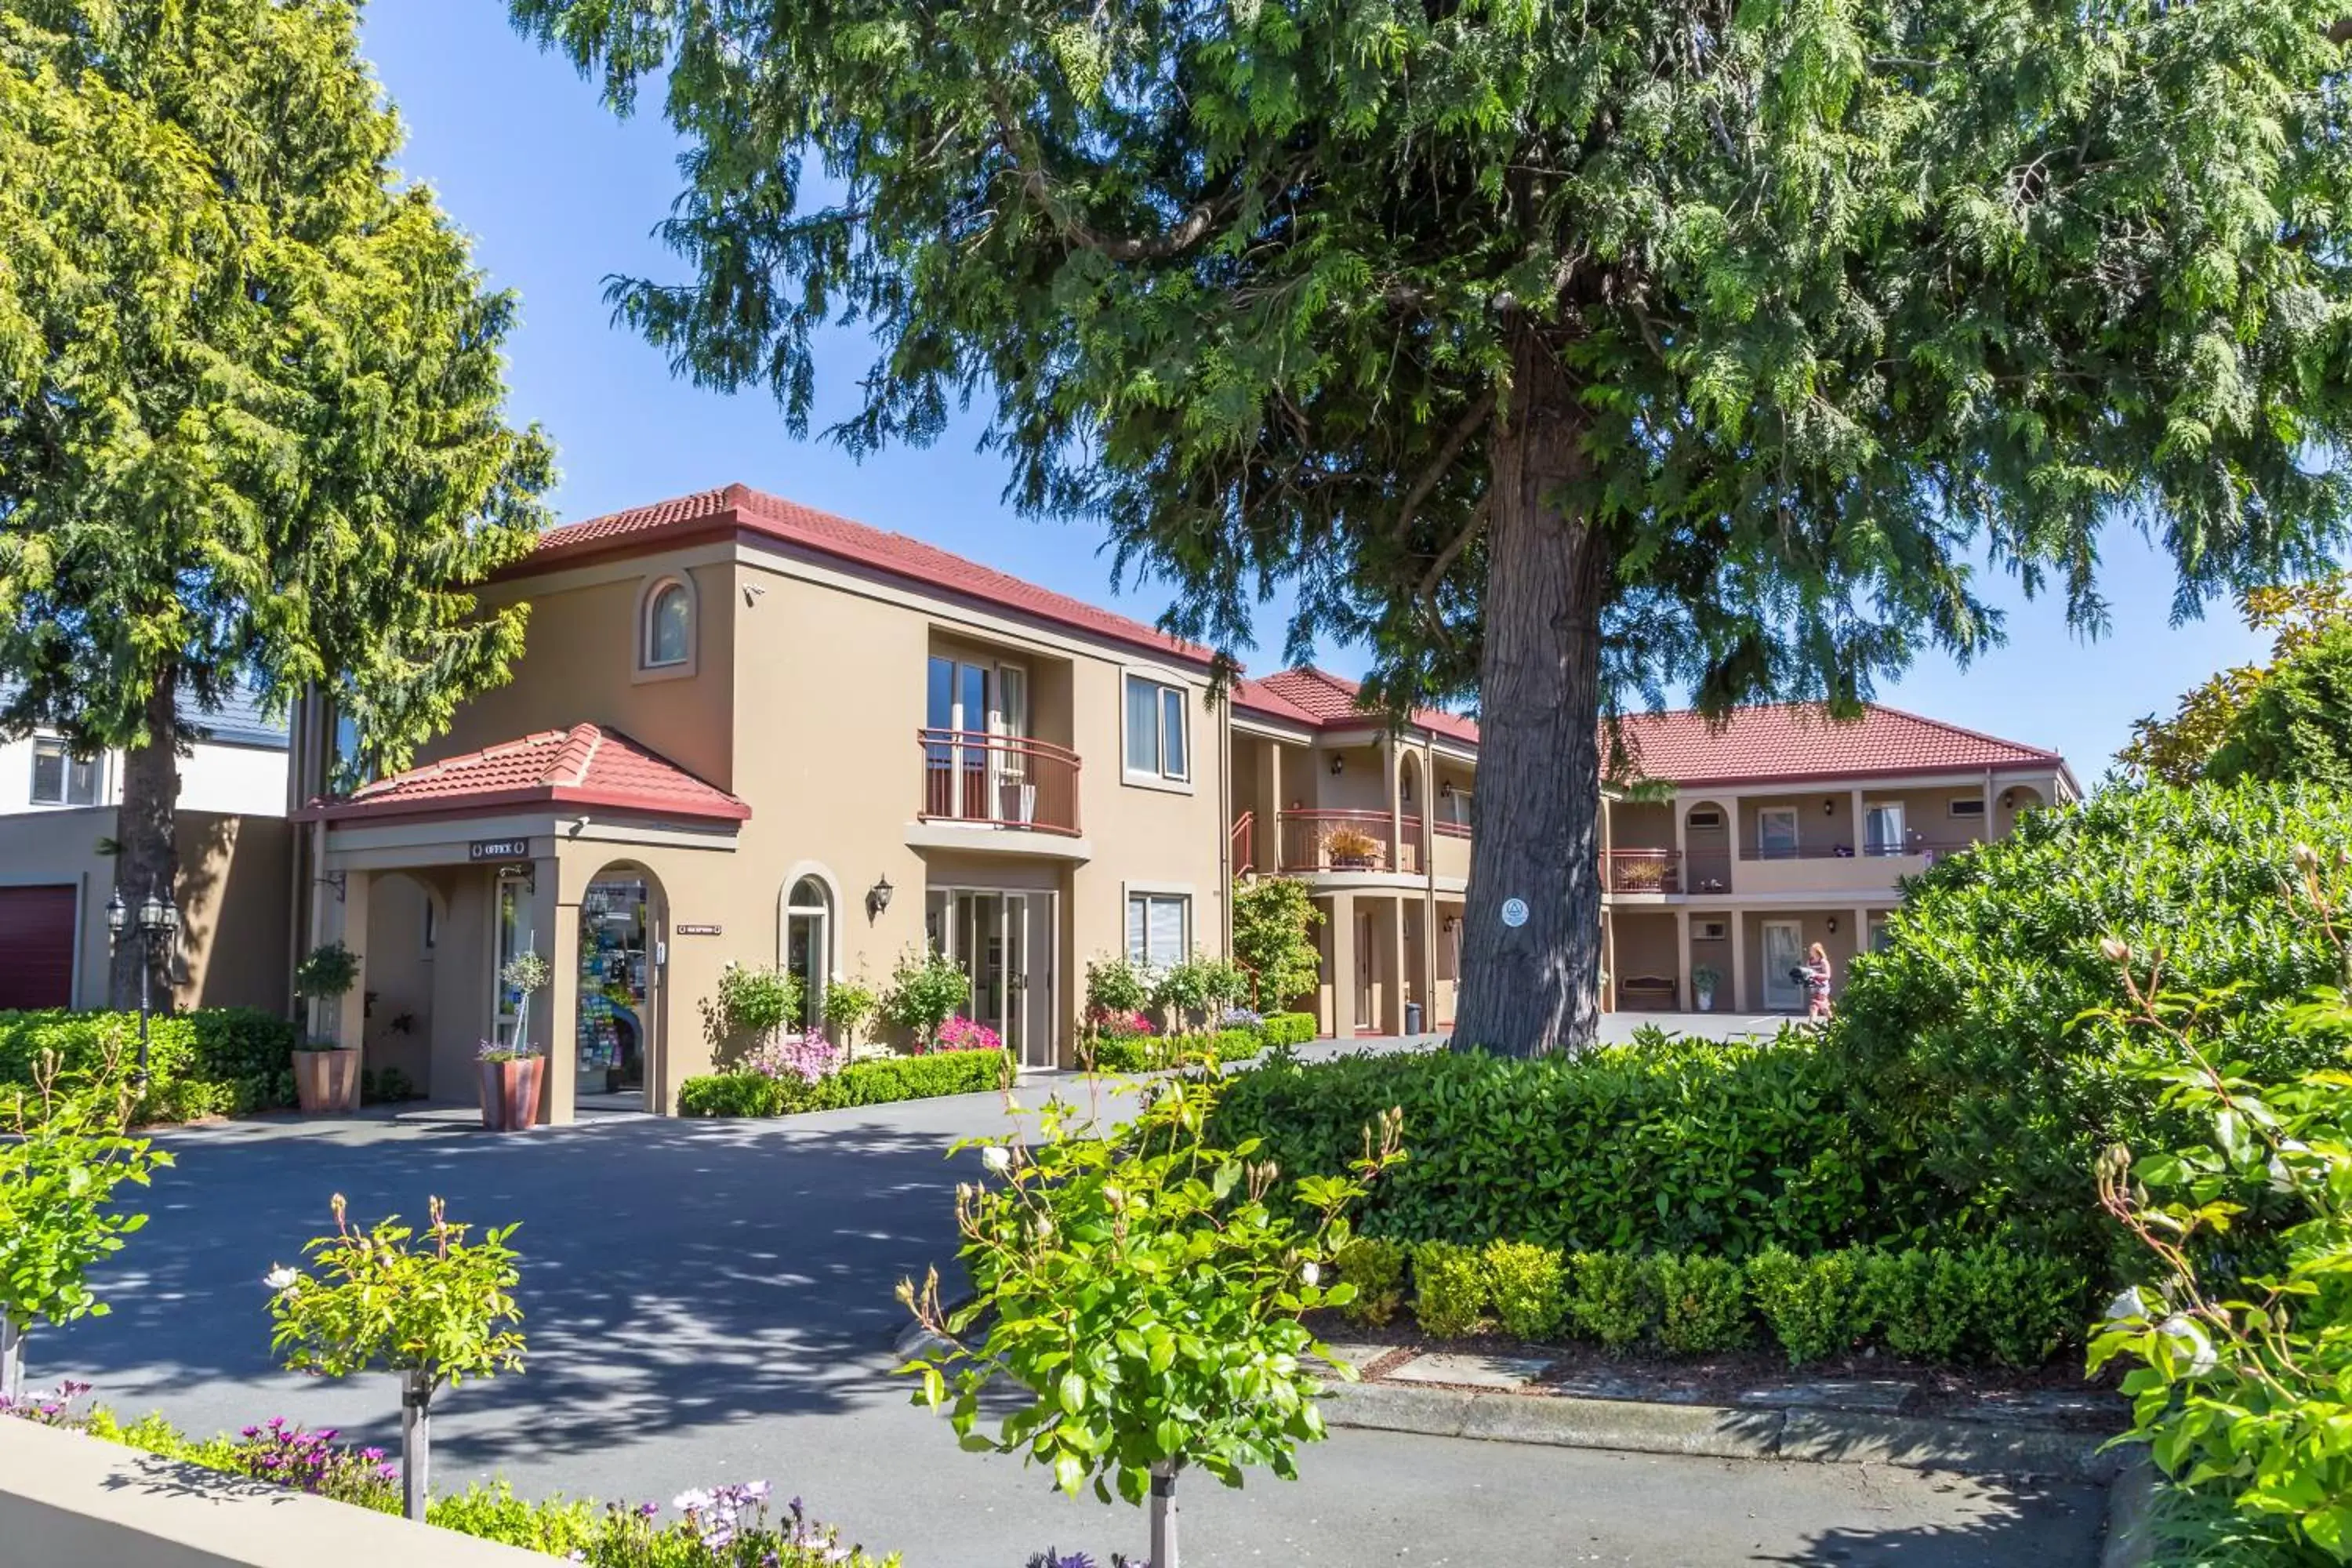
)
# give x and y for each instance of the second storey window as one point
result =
(1156, 738)
(61, 778)
(669, 626)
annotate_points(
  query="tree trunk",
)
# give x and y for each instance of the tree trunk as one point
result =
(1163, 1515)
(416, 1441)
(1531, 943)
(12, 1361)
(147, 860)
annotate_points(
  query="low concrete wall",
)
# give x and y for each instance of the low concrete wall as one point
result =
(69, 1500)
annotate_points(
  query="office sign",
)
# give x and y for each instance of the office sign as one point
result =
(498, 849)
(684, 930)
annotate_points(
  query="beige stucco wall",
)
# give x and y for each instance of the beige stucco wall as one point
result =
(233, 895)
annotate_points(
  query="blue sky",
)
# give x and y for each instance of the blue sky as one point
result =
(558, 194)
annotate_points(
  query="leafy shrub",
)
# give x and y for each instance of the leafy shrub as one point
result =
(1702, 1303)
(752, 1004)
(1810, 1303)
(1918, 1302)
(1612, 1296)
(249, 1051)
(1528, 1287)
(2297, 725)
(1449, 1289)
(1375, 1267)
(881, 1081)
(2026, 1304)
(1959, 1039)
(924, 991)
(1152, 1053)
(1115, 988)
(1274, 939)
(1201, 986)
(849, 1006)
(1287, 1028)
(1664, 1144)
(1120, 1053)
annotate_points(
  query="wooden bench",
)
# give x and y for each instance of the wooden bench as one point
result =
(1648, 994)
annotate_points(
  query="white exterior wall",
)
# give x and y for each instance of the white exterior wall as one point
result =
(230, 779)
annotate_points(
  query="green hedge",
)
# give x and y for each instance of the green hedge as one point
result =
(878, 1082)
(1961, 1041)
(210, 1062)
(1663, 1144)
(1287, 1028)
(1977, 1304)
(1149, 1053)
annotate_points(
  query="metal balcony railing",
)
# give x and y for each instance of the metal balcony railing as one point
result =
(999, 780)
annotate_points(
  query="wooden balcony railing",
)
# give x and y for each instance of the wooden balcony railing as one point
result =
(1642, 872)
(999, 780)
(1347, 841)
(1243, 843)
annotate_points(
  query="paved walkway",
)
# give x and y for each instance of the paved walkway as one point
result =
(712, 1301)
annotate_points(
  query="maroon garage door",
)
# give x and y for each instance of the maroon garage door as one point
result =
(36, 947)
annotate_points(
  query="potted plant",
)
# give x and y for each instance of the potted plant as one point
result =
(1704, 978)
(326, 1070)
(1353, 849)
(512, 1073)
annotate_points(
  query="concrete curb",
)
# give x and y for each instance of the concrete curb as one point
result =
(1723, 1432)
(2131, 1516)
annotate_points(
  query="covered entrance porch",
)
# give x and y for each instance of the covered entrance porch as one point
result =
(437, 879)
(1391, 958)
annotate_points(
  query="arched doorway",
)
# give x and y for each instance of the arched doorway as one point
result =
(808, 942)
(405, 916)
(618, 1004)
(1412, 798)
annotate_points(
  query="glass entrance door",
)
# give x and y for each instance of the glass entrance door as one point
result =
(1784, 951)
(1003, 943)
(616, 984)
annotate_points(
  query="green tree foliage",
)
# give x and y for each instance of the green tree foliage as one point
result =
(251, 394)
(1274, 937)
(2298, 726)
(1145, 1297)
(1959, 1043)
(1559, 354)
(65, 1151)
(2178, 750)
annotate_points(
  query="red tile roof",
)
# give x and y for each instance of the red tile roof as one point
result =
(739, 508)
(1800, 740)
(1323, 701)
(584, 765)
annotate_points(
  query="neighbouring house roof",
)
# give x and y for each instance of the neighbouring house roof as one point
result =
(238, 720)
(587, 765)
(1800, 740)
(739, 509)
(1320, 700)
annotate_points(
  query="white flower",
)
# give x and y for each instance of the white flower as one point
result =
(2192, 1340)
(693, 1501)
(280, 1278)
(579, 1555)
(997, 1158)
(2126, 1306)
(1312, 1274)
(1044, 1227)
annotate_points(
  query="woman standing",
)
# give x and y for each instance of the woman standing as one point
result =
(1817, 981)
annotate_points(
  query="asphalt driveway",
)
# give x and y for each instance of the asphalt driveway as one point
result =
(713, 1301)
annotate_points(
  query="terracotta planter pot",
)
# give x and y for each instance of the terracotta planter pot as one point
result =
(327, 1082)
(511, 1094)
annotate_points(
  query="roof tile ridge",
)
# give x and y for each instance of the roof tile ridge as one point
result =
(1949, 727)
(595, 738)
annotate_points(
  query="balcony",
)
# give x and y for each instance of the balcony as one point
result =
(1007, 781)
(1642, 872)
(1837, 869)
(1313, 841)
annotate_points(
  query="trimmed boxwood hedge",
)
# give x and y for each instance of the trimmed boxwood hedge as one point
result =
(1148, 1053)
(878, 1082)
(211, 1062)
(1287, 1028)
(1664, 1143)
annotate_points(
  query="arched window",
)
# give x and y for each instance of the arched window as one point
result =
(808, 944)
(669, 626)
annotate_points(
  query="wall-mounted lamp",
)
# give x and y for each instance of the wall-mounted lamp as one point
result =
(1834, 925)
(1452, 924)
(877, 897)
(2008, 798)
(1338, 765)
(1829, 806)
(1446, 790)
(334, 880)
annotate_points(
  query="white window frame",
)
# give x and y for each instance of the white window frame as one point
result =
(1164, 687)
(1976, 802)
(53, 745)
(1705, 818)
(1710, 931)
(1880, 847)
(648, 600)
(1149, 895)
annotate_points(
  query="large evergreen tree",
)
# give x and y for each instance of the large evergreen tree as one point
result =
(251, 395)
(1564, 353)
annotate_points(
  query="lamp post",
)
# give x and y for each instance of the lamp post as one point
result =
(158, 917)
